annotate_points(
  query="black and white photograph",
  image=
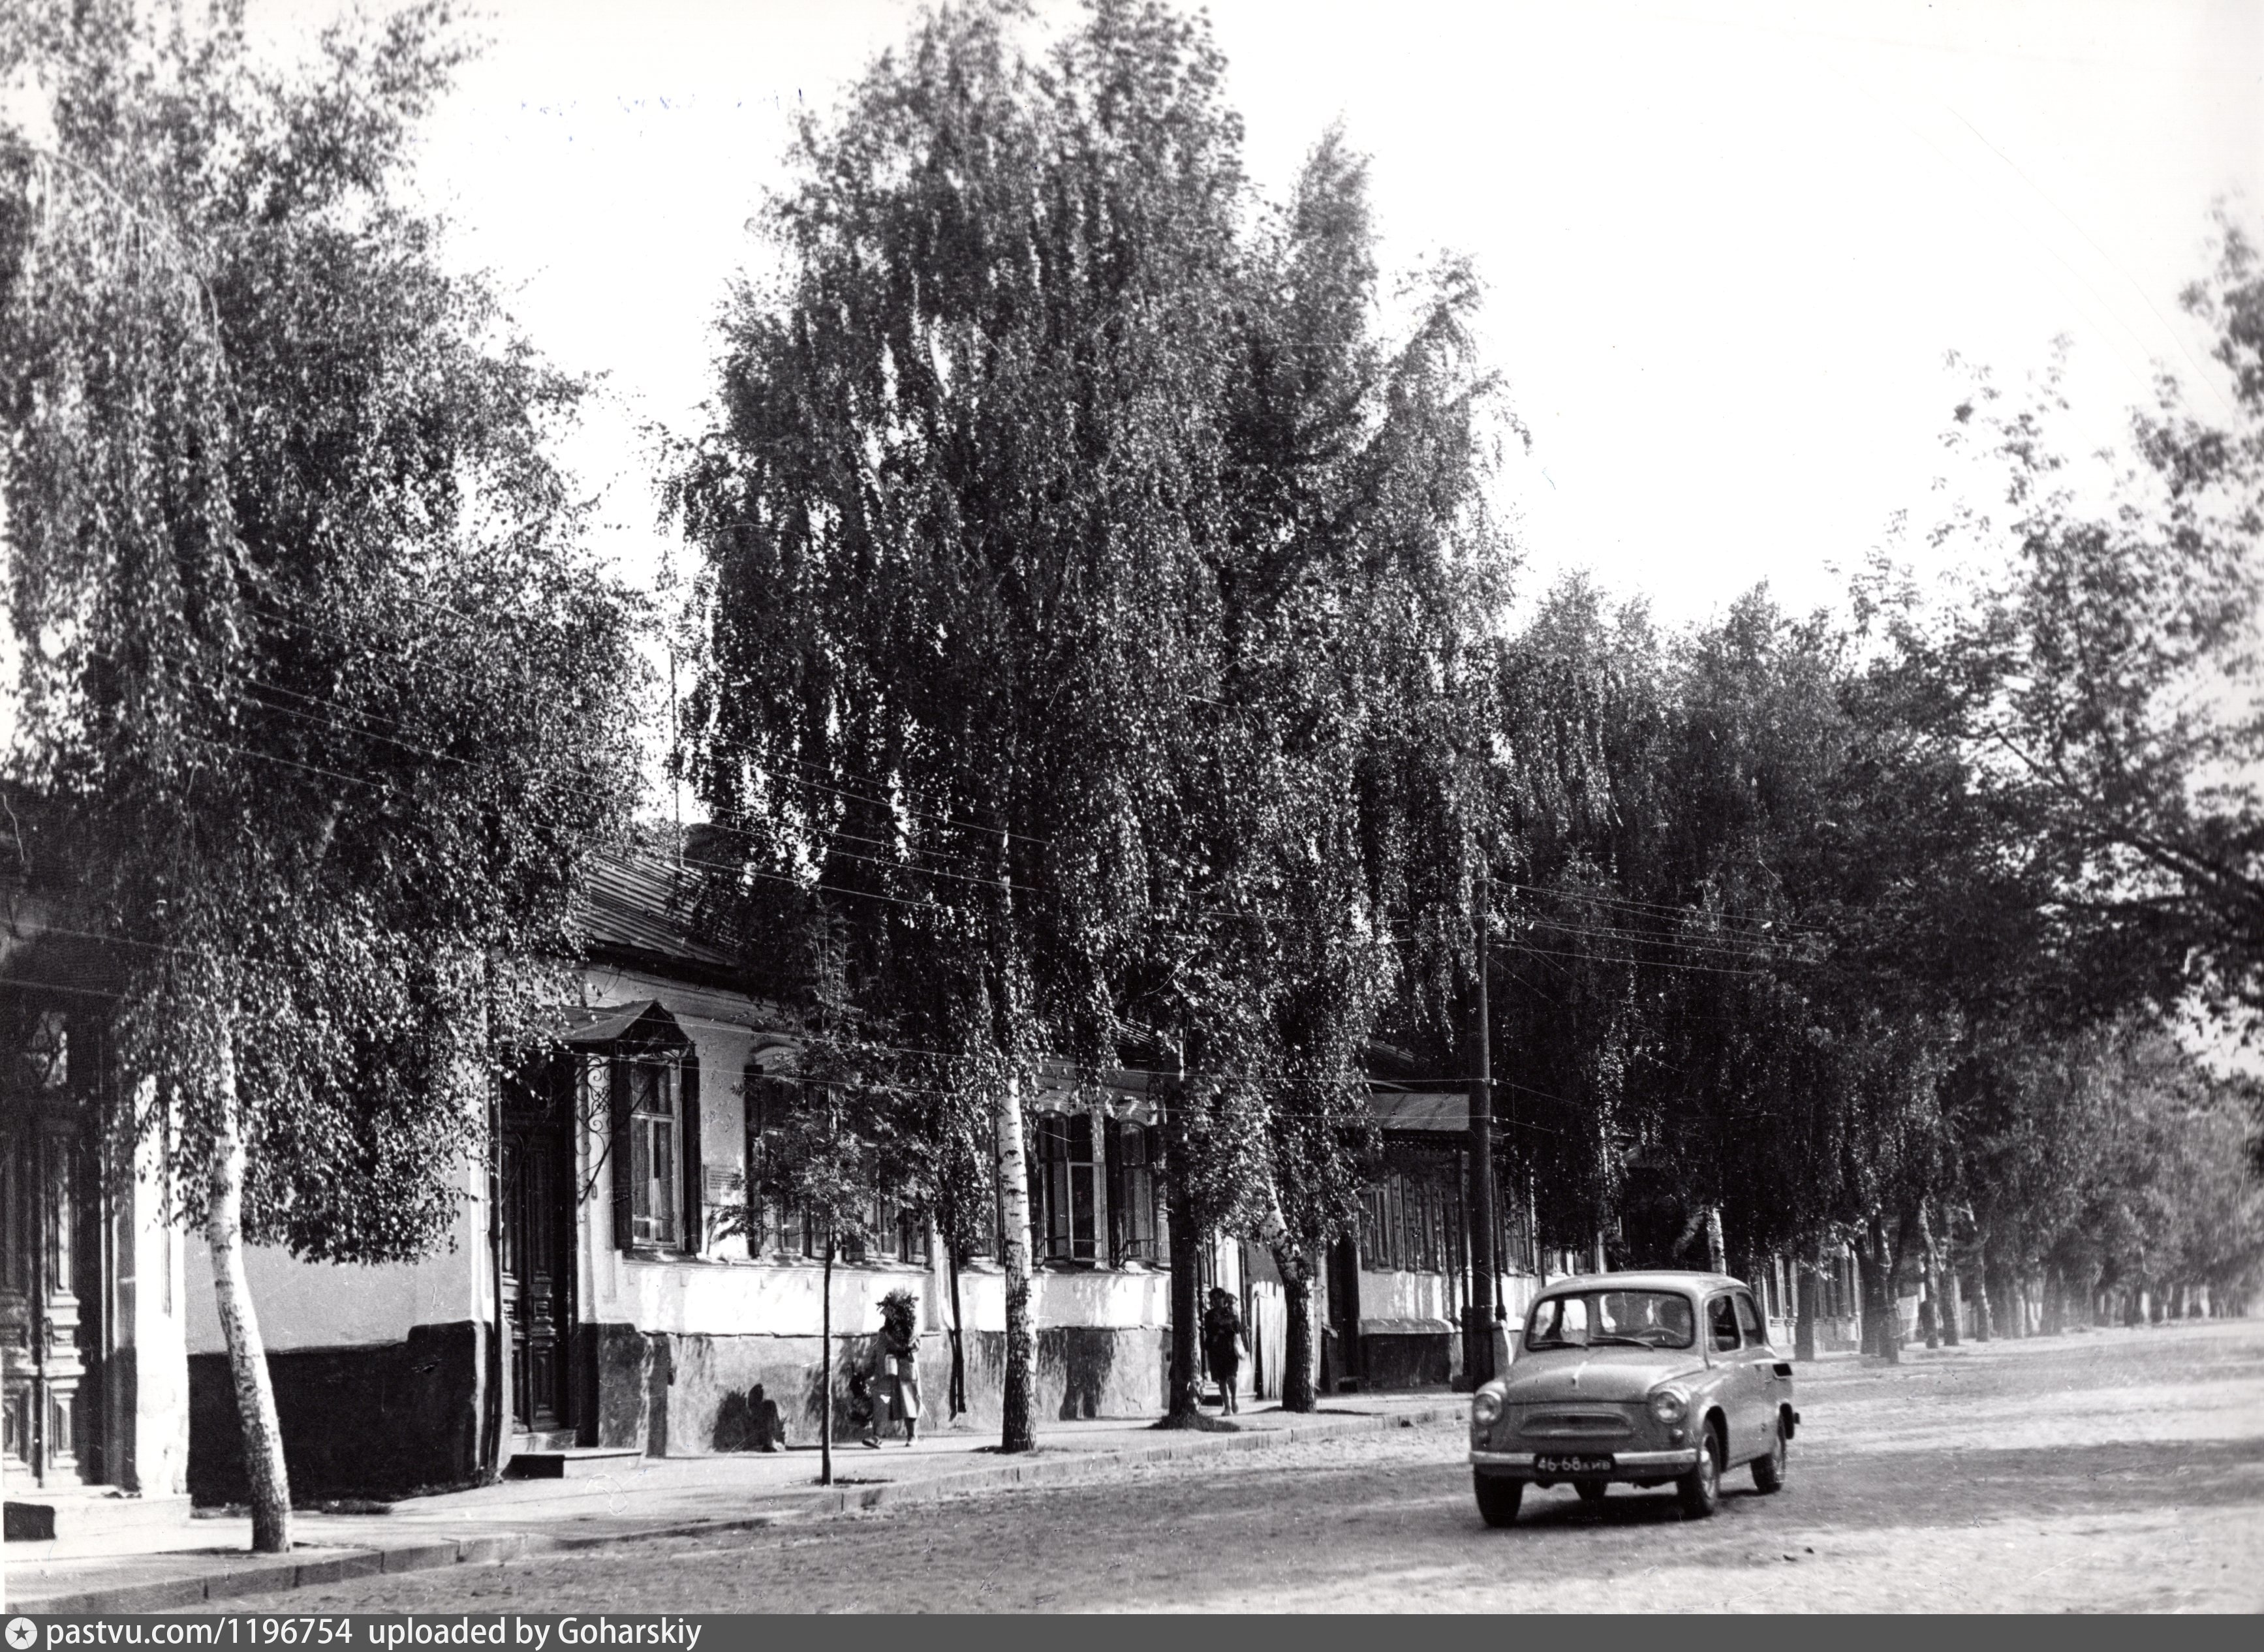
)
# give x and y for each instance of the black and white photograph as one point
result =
(1134, 807)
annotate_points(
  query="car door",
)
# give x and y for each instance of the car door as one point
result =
(1758, 1376)
(1726, 1343)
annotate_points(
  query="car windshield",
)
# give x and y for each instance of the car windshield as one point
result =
(1604, 1319)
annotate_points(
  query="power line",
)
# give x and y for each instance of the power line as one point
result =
(1613, 934)
(762, 759)
(1644, 907)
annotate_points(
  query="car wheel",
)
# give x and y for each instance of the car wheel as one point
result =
(1497, 1499)
(1590, 1490)
(1768, 1472)
(1701, 1488)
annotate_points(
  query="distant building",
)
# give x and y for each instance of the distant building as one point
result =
(1398, 1289)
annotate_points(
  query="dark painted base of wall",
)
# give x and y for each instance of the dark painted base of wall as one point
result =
(1414, 1360)
(698, 1393)
(385, 1420)
(356, 1421)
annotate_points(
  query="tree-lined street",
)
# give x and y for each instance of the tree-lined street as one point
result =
(1143, 848)
(2112, 1470)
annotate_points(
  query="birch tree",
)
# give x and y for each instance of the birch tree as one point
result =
(1360, 572)
(951, 507)
(322, 711)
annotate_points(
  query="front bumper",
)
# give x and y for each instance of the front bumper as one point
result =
(1625, 1465)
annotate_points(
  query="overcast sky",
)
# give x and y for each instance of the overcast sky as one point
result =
(1727, 246)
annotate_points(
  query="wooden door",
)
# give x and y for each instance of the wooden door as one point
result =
(537, 1270)
(45, 1269)
(1344, 1312)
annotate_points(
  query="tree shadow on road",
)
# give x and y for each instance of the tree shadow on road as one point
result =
(1957, 1486)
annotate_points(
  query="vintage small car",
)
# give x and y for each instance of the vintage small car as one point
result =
(1639, 1378)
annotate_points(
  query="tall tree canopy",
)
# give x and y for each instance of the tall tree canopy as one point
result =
(952, 513)
(2108, 674)
(1077, 566)
(322, 708)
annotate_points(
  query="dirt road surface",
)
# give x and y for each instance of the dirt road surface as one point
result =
(2117, 1470)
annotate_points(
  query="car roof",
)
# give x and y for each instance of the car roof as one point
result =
(1644, 1280)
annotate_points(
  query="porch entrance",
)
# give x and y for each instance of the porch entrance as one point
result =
(55, 1320)
(538, 1269)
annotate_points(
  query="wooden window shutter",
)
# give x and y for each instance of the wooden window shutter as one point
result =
(1034, 1162)
(617, 1092)
(1112, 1178)
(695, 1191)
(751, 1112)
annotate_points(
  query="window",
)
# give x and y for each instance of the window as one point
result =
(655, 1168)
(1721, 1325)
(1133, 1233)
(1403, 1224)
(1062, 1188)
(635, 1068)
(777, 1230)
(896, 1231)
(1750, 1322)
(1843, 1286)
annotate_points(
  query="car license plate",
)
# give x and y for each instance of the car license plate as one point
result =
(1573, 1465)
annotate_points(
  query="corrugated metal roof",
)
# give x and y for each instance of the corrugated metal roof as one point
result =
(643, 903)
(1446, 1111)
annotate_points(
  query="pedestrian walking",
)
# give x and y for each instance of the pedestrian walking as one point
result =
(900, 1341)
(1223, 1345)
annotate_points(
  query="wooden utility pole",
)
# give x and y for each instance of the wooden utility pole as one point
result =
(1480, 1316)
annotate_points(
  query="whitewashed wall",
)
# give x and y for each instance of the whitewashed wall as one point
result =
(155, 1327)
(303, 1305)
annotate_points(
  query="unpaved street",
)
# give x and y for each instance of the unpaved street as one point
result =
(2113, 1470)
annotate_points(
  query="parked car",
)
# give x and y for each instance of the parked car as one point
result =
(1641, 1378)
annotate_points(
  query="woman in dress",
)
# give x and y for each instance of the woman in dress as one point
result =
(1222, 1335)
(900, 1357)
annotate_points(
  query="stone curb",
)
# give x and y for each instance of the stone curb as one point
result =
(264, 1574)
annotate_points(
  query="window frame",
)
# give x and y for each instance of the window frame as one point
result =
(1752, 1323)
(656, 1121)
(611, 1071)
(1064, 1190)
(1136, 1225)
(1723, 1300)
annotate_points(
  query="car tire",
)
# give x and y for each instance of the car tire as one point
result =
(1499, 1497)
(1590, 1490)
(1768, 1469)
(1701, 1489)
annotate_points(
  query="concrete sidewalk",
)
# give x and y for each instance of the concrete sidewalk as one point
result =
(209, 1560)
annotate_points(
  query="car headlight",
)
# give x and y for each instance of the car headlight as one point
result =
(1485, 1405)
(1669, 1405)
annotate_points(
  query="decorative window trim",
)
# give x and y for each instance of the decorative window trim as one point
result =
(614, 1044)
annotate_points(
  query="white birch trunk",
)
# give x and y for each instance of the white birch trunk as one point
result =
(239, 1325)
(1020, 1377)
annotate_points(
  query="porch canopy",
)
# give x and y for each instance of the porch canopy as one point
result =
(643, 1024)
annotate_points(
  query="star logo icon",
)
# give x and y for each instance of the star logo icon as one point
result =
(22, 1633)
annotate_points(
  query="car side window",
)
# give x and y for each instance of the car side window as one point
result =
(1721, 1325)
(1749, 1318)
